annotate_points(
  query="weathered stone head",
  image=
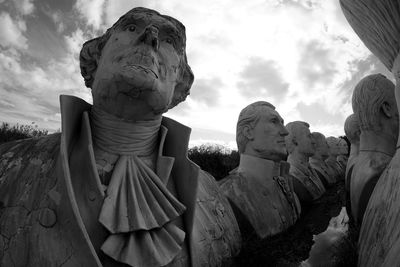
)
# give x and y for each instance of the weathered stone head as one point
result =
(260, 132)
(352, 129)
(300, 139)
(343, 147)
(321, 146)
(333, 143)
(374, 105)
(138, 68)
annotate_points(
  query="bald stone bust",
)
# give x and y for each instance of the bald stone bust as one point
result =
(376, 110)
(317, 161)
(260, 190)
(116, 187)
(301, 147)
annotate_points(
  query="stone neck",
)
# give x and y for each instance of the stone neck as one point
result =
(332, 157)
(317, 160)
(258, 168)
(317, 156)
(375, 142)
(114, 135)
(300, 158)
(354, 149)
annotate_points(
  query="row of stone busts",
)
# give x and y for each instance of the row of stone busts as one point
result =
(281, 168)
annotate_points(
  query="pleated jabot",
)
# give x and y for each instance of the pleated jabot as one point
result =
(138, 208)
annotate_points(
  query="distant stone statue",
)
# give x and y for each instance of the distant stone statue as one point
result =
(343, 154)
(334, 152)
(317, 161)
(260, 190)
(116, 188)
(301, 147)
(352, 131)
(375, 107)
(377, 23)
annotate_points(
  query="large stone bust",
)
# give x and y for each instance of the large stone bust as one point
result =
(260, 190)
(377, 24)
(116, 188)
(317, 161)
(301, 147)
(375, 107)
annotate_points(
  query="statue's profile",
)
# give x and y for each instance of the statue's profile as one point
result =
(352, 131)
(301, 147)
(260, 190)
(343, 154)
(375, 107)
(116, 187)
(317, 161)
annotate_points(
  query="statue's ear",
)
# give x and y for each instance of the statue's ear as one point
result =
(294, 141)
(88, 58)
(182, 88)
(387, 109)
(248, 132)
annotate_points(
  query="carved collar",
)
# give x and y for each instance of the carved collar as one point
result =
(258, 168)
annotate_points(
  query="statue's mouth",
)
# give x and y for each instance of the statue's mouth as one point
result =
(136, 67)
(142, 61)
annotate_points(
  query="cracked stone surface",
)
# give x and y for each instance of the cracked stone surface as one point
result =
(31, 195)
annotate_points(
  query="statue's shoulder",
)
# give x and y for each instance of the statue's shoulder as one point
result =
(231, 180)
(38, 226)
(30, 154)
(217, 236)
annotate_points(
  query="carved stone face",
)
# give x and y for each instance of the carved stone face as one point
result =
(334, 149)
(305, 141)
(321, 147)
(394, 120)
(138, 68)
(343, 148)
(267, 138)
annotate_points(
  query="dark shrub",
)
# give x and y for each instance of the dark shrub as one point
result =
(19, 131)
(215, 159)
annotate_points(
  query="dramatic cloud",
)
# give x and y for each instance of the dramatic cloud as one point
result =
(316, 65)
(308, 114)
(24, 7)
(301, 55)
(11, 32)
(360, 68)
(206, 91)
(261, 79)
(92, 11)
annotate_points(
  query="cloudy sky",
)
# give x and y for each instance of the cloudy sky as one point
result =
(299, 55)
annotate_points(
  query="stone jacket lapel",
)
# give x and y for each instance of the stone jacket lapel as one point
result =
(85, 191)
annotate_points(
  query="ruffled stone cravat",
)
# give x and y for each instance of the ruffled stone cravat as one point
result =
(138, 208)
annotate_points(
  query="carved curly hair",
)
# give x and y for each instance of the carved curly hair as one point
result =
(91, 52)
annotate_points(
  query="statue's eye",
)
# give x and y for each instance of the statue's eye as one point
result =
(132, 28)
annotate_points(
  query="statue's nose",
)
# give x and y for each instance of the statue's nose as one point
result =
(150, 36)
